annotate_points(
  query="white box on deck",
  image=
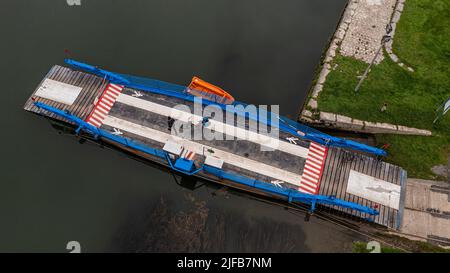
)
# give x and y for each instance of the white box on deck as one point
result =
(374, 189)
(214, 162)
(58, 91)
(173, 147)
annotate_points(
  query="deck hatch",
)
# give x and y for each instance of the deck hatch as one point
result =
(374, 189)
(173, 148)
(214, 162)
(58, 91)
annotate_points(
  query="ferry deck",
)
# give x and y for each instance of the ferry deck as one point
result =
(137, 120)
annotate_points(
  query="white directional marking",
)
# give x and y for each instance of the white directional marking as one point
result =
(137, 94)
(277, 183)
(292, 140)
(219, 127)
(227, 157)
(117, 132)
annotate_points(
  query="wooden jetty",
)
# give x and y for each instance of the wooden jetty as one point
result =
(111, 108)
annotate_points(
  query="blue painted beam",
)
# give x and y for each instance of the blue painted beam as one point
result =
(111, 76)
(96, 132)
(290, 194)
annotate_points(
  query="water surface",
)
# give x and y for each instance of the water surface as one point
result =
(54, 190)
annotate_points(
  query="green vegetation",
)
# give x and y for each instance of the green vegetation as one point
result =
(400, 244)
(421, 41)
(361, 247)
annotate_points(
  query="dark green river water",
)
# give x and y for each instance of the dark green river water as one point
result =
(54, 190)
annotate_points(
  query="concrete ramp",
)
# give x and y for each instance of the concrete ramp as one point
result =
(427, 211)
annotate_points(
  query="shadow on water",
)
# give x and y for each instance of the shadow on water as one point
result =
(193, 224)
(208, 217)
(53, 190)
(198, 228)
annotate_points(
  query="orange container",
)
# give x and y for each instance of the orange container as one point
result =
(201, 85)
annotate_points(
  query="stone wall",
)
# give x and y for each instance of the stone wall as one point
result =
(331, 120)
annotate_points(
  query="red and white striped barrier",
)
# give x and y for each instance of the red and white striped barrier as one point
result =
(313, 169)
(188, 154)
(104, 104)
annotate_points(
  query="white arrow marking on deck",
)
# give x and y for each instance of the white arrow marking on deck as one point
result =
(277, 183)
(227, 157)
(292, 140)
(220, 127)
(117, 132)
(137, 94)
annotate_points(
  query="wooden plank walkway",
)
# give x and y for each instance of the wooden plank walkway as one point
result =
(92, 87)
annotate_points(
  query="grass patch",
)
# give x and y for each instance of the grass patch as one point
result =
(416, 154)
(361, 247)
(399, 244)
(412, 246)
(421, 41)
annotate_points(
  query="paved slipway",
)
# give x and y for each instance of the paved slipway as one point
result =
(427, 211)
(358, 35)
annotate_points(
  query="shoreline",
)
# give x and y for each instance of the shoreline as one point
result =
(346, 39)
(425, 218)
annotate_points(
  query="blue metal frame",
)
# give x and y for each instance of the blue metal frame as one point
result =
(181, 171)
(289, 194)
(96, 132)
(286, 124)
(111, 76)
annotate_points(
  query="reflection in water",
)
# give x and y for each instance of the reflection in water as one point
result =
(196, 228)
(55, 190)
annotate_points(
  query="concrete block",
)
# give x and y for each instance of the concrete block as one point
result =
(343, 119)
(387, 126)
(307, 119)
(328, 116)
(352, 6)
(372, 127)
(340, 34)
(347, 123)
(331, 52)
(323, 74)
(357, 125)
(306, 113)
(312, 103)
(396, 17)
(358, 122)
(317, 89)
(413, 131)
